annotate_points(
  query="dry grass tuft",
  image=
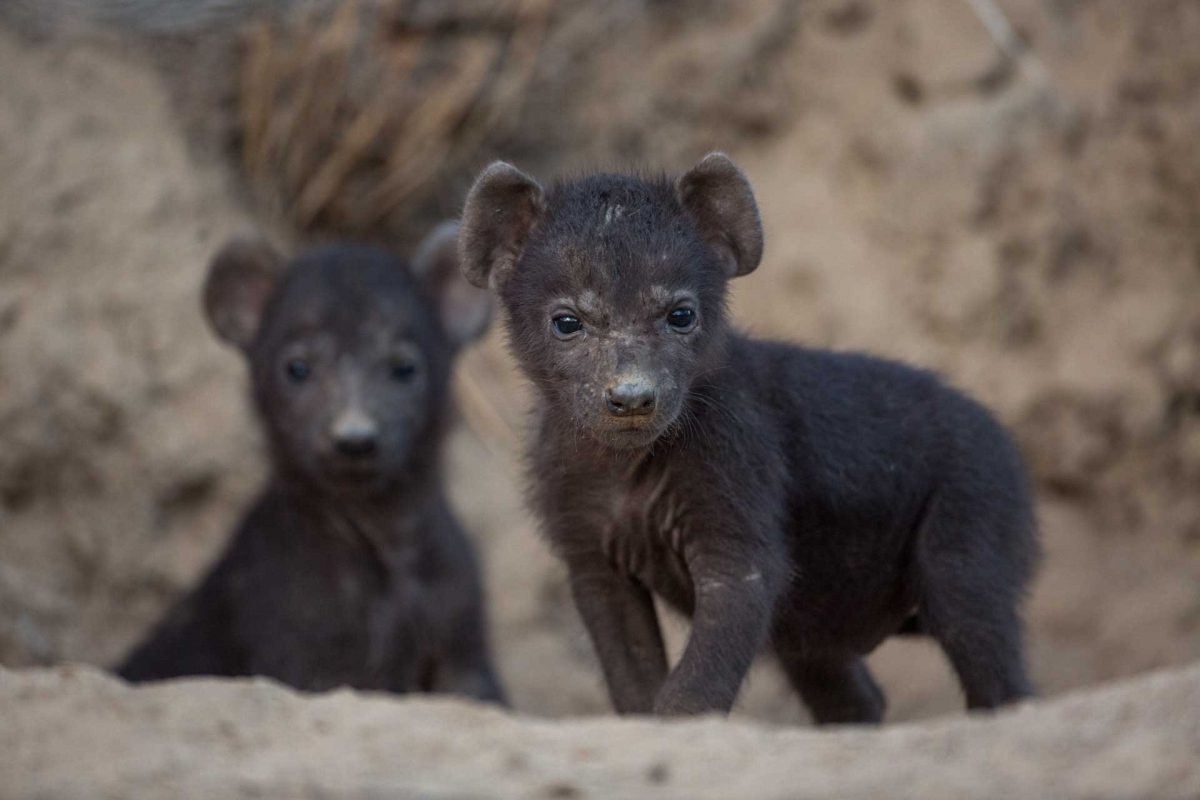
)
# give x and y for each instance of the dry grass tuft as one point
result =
(350, 117)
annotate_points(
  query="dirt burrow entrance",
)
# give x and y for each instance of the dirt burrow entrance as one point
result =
(1032, 233)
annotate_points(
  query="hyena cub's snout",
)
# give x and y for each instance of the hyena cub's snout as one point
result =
(356, 449)
(636, 379)
(629, 393)
(631, 396)
(632, 408)
(355, 435)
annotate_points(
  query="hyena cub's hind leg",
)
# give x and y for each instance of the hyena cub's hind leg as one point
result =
(972, 570)
(835, 691)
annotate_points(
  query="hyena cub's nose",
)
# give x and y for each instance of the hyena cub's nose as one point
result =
(356, 435)
(630, 399)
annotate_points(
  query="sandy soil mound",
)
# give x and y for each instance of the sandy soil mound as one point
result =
(212, 739)
(120, 416)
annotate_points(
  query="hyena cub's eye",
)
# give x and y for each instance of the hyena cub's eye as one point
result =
(682, 320)
(298, 370)
(566, 325)
(402, 370)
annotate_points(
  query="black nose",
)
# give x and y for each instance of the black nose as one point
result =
(630, 399)
(355, 435)
(359, 444)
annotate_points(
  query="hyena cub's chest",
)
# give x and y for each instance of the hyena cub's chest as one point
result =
(644, 527)
(380, 593)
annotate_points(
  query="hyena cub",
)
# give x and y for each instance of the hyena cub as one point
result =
(807, 501)
(350, 569)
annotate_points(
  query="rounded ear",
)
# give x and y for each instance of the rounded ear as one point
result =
(241, 279)
(463, 309)
(718, 197)
(502, 208)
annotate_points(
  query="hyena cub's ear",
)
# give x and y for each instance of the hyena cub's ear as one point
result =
(719, 198)
(501, 209)
(464, 310)
(241, 279)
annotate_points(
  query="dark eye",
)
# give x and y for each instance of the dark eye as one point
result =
(298, 370)
(682, 319)
(566, 325)
(402, 370)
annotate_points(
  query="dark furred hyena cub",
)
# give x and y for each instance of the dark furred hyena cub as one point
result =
(809, 501)
(350, 569)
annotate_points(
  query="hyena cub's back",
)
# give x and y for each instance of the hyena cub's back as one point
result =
(350, 569)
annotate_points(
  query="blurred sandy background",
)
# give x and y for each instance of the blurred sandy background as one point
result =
(1028, 225)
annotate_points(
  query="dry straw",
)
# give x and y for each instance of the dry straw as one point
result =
(350, 118)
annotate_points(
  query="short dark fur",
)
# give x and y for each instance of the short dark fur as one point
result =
(350, 569)
(800, 500)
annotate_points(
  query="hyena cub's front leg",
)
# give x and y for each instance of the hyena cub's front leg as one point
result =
(735, 594)
(619, 615)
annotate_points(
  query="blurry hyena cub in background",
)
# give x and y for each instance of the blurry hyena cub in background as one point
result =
(801, 500)
(350, 569)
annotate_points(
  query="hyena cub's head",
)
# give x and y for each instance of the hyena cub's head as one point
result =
(613, 286)
(350, 350)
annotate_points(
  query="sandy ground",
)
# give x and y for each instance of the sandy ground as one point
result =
(1034, 236)
(223, 739)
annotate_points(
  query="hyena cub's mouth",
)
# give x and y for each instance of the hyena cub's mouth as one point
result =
(628, 434)
(352, 474)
